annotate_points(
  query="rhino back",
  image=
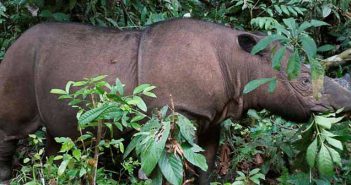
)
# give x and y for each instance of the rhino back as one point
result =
(181, 59)
(72, 52)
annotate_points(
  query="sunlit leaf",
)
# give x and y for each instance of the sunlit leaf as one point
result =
(312, 153)
(325, 163)
(171, 167)
(254, 84)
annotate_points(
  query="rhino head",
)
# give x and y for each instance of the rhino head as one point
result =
(292, 99)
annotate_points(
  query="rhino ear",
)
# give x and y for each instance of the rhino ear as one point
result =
(247, 41)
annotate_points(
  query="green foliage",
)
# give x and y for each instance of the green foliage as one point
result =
(273, 145)
(323, 150)
(164, 143)
(254, 177)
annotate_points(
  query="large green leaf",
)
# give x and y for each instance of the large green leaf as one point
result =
(92, 114)
(317, 23)
(291, 24)
(334, 142)
(62, 167)
(131, 146)
(171, 167)
(294, 66)
(277, 58)
(254, 84)
(335, 156)
(263, 43)
(326, 122)
(187, 129)
(151, 155)
(325, 163)
(312, 153)
(194, 158)
(309, 46)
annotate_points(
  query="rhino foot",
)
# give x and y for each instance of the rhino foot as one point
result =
(5, 173)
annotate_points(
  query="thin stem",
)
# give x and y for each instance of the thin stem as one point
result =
(98, 139)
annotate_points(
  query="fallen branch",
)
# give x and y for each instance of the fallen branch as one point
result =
(337, 60)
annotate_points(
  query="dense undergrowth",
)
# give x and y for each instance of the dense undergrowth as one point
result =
(263, 148)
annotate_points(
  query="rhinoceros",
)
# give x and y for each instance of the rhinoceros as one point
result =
(205, 67)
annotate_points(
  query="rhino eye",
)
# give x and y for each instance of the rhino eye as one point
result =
(306, 81)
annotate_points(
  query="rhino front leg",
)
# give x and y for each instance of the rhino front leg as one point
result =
(209, 141)
(7, 150)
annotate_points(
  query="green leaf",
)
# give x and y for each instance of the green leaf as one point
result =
(140, 88)
(138, 118)
(60, 17)
(317, 23)
(325, 164)
(171, 167)
(58, 157)
(254, 84)
(149, 94)
(291, 9)
(284, 9)
(82, 172)
(291, 24)
(26, 160)
(68, 86)
(76, 154)
(140, 103)
(58, 91)
(263, 43)
(62, 167)
(294, 66)
(335, 143)
(259, 176)
(312, 153)
(309, 46)
(304, 26)
(92, 114)
(277, 8)
(326, 10)
(326, 47)
(131, 146)
(335, 156)
(98, 78)
(238, 183)
(187, 129)
(152, 154)
(277, 58)
(254, 171)
(272, 85)
(194, 158)
(326, 122)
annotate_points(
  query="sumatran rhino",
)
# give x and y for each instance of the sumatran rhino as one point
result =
(204, 66)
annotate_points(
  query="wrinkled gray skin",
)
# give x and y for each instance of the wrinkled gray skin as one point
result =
(204, 66)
